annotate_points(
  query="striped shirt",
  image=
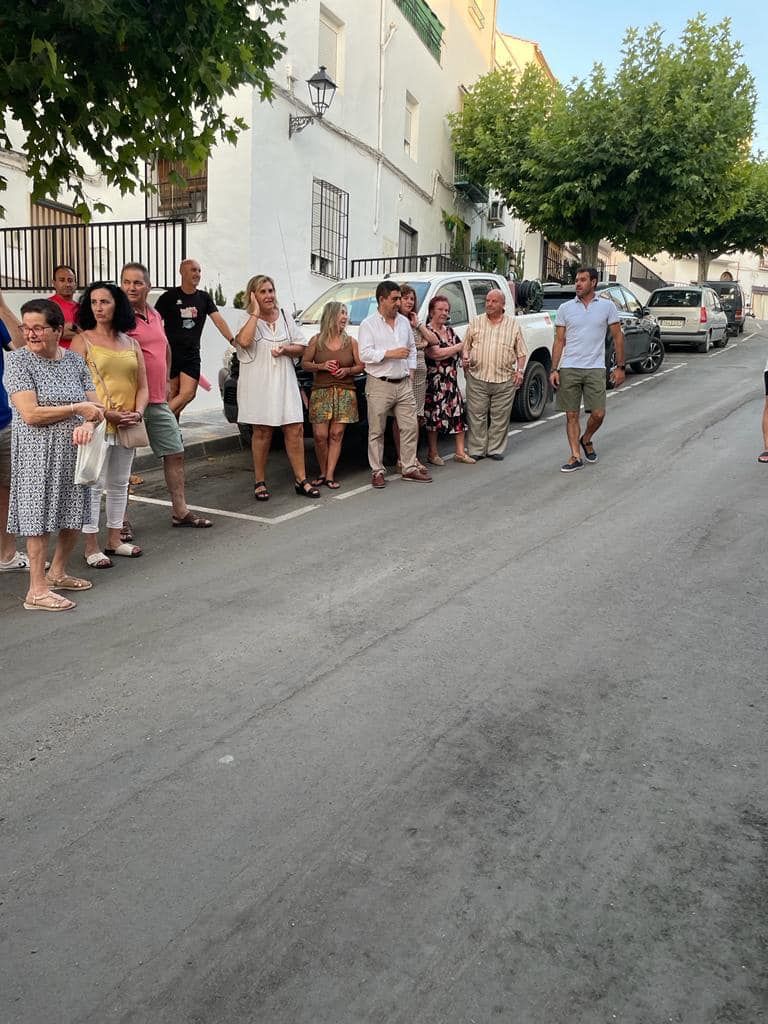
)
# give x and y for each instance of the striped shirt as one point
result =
(494, 349)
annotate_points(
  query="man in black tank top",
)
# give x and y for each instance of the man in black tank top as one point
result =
(184, 310)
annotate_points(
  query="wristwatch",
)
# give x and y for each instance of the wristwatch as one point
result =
(620, 366)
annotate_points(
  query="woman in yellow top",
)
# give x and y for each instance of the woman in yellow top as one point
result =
(120, 377)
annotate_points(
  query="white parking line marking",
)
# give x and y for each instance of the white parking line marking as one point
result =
(274, 521)
(530, 426)
(556, 416)
(353, 492)
(511, 432)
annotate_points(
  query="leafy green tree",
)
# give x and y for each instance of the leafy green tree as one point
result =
(742, 227)
(631, 159)
(117, 83)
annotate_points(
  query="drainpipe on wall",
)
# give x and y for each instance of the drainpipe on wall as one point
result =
(383, 44)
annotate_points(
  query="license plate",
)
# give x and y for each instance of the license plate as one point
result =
(667, 322)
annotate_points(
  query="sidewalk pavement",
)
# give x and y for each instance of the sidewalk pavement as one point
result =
(204, 433)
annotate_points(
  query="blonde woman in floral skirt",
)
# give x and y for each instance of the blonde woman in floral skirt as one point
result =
(332, 355)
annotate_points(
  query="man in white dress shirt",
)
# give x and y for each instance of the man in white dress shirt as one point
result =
(387, 348)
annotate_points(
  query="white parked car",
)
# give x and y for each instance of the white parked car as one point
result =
(689, 315)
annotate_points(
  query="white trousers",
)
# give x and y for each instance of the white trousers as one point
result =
(114, 480)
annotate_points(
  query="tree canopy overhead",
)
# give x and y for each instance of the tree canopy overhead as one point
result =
(124, 81)
(739, 225)
(632, 158)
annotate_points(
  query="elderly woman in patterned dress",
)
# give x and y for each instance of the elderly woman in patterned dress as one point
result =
(55, 408)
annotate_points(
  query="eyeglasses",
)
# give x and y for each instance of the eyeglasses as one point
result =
(35, 332)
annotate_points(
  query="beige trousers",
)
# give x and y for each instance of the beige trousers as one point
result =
(489, 407)
(386, 399)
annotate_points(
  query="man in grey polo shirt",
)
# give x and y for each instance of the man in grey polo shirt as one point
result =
(578, 363)
(386, 345)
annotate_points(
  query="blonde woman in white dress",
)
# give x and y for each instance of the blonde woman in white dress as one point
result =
(268, 393)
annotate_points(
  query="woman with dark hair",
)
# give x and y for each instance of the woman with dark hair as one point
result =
(333, 357)
(117, 368)
(55, 408)
(444, 406)
(422, 337)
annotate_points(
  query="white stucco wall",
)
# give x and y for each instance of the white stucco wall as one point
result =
(260, 192)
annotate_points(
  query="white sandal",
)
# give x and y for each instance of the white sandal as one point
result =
(98, 560)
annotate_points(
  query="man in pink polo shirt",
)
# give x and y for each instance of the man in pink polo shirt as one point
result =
(162, 426)
(64, 284)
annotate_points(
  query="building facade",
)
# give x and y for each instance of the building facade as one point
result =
(376, 177)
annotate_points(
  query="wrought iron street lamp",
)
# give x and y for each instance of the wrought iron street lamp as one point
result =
(322, 89)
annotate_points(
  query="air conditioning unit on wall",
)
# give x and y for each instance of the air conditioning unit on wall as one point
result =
(496, 214)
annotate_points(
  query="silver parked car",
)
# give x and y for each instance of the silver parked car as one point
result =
(690, 315)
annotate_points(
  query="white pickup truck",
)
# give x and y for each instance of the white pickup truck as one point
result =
(466, 291)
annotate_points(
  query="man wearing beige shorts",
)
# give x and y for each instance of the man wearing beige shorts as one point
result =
(578, 363)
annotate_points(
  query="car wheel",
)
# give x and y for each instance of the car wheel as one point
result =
(532, 396)
(653, 359)
(741, 328)
(723, 341)
(704, 346)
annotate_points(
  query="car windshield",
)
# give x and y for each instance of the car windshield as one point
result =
(554, 301)
(359, 297)
(683, 297)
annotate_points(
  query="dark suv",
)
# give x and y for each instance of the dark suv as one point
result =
(643, 350)
(732, 299)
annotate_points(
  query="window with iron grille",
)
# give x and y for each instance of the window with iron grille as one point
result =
(180, 193)
(330, 230)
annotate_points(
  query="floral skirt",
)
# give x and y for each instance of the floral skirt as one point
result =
(333, 403)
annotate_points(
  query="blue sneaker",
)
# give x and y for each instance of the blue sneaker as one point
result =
(572, 466)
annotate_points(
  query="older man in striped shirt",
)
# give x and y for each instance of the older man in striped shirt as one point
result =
(493, 359)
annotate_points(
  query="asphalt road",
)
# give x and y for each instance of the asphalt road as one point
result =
(491, 749)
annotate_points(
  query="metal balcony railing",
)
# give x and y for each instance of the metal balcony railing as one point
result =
(189, 201)
(95, 251)
(473, 191)
(394, 266)
(643, 276)
(428, 26)
(553, 268)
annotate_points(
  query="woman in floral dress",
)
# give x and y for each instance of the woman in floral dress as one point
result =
(55, 408)
(443, 405)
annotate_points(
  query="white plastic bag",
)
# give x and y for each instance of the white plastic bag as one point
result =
(90, 457)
